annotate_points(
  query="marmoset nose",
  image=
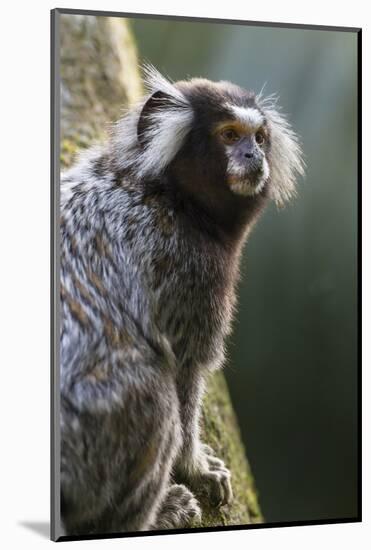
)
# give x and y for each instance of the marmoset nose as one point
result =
(249, 155)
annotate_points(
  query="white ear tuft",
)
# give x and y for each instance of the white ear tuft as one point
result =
(286, 157)
(166, 127)
(154, 81)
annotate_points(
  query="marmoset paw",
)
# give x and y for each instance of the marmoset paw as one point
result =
(179, 509)
(216, 477)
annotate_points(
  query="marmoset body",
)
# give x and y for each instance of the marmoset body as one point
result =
(152, 227)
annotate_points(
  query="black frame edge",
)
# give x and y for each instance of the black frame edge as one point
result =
(97, 13)
(52, 273)
(54, 284)
(224, 528)
(359, 266)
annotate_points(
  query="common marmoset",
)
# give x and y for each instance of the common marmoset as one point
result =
(152, 227)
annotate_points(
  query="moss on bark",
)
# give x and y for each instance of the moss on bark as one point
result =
(220, 430)
(100, 76)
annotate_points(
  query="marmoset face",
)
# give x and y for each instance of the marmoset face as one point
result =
(245, 140)
(231, 136)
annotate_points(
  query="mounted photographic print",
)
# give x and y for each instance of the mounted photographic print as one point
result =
(205, 255)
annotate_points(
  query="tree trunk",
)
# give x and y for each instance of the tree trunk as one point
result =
(99, 76)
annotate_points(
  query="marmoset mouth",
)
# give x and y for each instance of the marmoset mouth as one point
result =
(251, 180)
(246, 185)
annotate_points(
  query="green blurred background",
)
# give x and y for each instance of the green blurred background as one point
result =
(292, 368)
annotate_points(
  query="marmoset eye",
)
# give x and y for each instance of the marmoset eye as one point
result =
(259, 138)
(229, 135)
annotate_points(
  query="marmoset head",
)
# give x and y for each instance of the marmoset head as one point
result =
(218, 142)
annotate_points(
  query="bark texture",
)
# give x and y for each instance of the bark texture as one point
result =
(100, 76)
